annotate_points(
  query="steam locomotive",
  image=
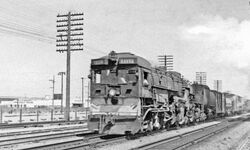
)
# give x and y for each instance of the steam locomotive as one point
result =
(129, 96)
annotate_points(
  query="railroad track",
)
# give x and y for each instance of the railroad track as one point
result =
(187, 139)
(245, 145)
(14, 141)
(39, 130)
(82, 143)
(69, 140)
(76, 143)
(37, 124)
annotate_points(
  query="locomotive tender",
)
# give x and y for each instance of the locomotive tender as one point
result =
(130, 96)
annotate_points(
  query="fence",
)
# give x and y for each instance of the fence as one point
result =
(20, 115)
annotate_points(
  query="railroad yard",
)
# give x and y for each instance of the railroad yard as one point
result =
(125, 75)
(221, 135)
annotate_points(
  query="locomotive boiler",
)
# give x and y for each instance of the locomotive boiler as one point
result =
(129, 96)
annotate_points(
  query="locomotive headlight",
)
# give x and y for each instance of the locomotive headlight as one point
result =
(112, 92)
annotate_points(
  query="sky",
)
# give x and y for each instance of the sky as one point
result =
(210, 36)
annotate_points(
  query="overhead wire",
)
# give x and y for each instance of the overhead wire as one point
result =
(13, 32)
(30, 22)
(18, 17)
(38, 36)
(23, 30)
(26, 32)
(31, 31)
(87, 47)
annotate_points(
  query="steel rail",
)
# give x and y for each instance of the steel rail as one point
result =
(34, 124)
(37, 131)
(178, 141)
(43, 137)
(81, 143)
(73, 143)
(94, 144)
(202, 138)
(245, 144)
(101, 143)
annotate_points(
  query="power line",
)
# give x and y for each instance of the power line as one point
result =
(49, 40)
(4, 31)
(31, 33)
(39, 36)
(18, 25)
(26, 32)
(20, 16)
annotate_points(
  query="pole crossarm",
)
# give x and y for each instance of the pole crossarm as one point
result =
(74, 14)
(65, 30)
(64, 50)
(75, 34)
(66, 20)
(61, 25)
(74, 44)
(69, 39)
(65, 25)
(77, 19)
(65, 40)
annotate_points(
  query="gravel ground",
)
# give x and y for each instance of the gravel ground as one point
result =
(227, 140)
(143, 140)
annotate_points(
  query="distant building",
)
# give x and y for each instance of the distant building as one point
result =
(201, 78)
(29, 102)
(7, 101)
(18, 102)
(218, 85)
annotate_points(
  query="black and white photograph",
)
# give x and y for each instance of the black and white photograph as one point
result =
(125, 75)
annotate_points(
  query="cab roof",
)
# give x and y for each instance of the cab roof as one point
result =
(140, 61)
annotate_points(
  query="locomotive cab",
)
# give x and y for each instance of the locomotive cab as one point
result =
(115, 103)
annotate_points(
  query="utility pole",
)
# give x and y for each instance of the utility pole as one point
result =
(69, 37)
(53, 90)
(166, 61)
(61, 74)
(82, 92)
(88, 105)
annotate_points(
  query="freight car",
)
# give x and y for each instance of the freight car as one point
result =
(129, 96)
(234, 104)
(212, 102)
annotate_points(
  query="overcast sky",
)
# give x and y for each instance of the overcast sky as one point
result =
(211, 36)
